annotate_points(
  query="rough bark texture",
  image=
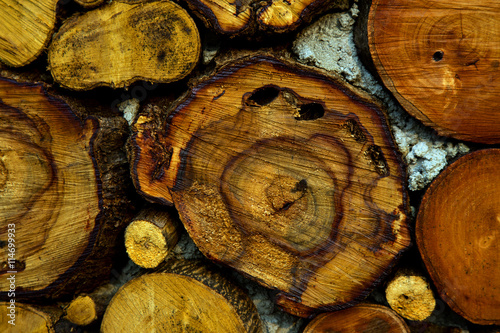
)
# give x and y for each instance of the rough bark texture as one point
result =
(63, 195)
(284, 175)
(186, 296)
(458, 227)
(235, 18)
(441, 60)
(124, 42)
(26, 29)
(365, 318)
(151, 235)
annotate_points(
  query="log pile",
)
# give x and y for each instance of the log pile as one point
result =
(246, 175)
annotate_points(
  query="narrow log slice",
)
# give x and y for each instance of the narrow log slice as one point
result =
(62, 200)
(283, 175)
(441, 60)
(366, 318)
(89, 3)
(410, 295)
(249, 16)
(187, 298)
(150, 237)
(458, 232)
(122, 42)
(26, 29)
(18, 317)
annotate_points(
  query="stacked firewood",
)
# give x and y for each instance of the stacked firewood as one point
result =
(119, 143)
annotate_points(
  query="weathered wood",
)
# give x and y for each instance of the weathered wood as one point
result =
(26, 29)
(458, 227)
(364, 318)
(89, 3)
(150, 236)
(186, 296)
(18, 317)
(441, 60)
(235, 18)
(87, 308)
(63, 193)
(285, 176)
(122, 42)
(410, 295)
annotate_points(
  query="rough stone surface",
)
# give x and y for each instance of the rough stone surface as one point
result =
(329, 44)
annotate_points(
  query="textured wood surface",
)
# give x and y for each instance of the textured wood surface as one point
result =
(25, 30)
(56, 196)
(365, 318)
(122, 42)
(458, 231)
(188, 297)
(441, 60)
(283, 175)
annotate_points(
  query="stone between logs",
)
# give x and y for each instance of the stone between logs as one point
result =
(282, 174)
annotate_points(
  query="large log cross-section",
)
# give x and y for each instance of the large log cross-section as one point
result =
(284, 175)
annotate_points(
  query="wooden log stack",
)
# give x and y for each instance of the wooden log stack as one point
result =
(285, 177)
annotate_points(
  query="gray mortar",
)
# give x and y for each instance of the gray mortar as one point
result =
(329, 44)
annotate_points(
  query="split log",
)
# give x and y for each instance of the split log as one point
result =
(236, 18)
(458, 228)
(284, 175)
(186, 297)
(150, 236)
(26, 29)
(365, 318)
(18, 317)
(122, 42)
(410, 295)
(63, 198)
(87, 308)
(441, 60)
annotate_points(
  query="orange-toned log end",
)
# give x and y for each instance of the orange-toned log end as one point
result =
(458, 232)
(365, 318)
(287, 177)
(441, 60)
(52, 193)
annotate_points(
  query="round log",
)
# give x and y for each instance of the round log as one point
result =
(26, 29)
(186, 297)
(19, 317)
(150, 236)
(235, 18)
(123, 42)
(364, 318)
(410, 295)
(458, 231)
(441, 60)
(284, 175)
(63, 193)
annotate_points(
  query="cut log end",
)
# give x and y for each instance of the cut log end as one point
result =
(281, 182)
(410, 295)
(150, 237)
(358, 319)
(122, 42)
(441, 61)
(82, 311)
(458, 227)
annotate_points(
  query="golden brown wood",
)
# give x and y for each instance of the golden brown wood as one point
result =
(18, 317)
(122, 42)
(150, 236)
(60, 210)
(458, 231)
(89, 3)
(365, 318)
(410, 295)
(26, 29)
(188, 297)
(441, 60)
(283, 175)
(248, 16)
